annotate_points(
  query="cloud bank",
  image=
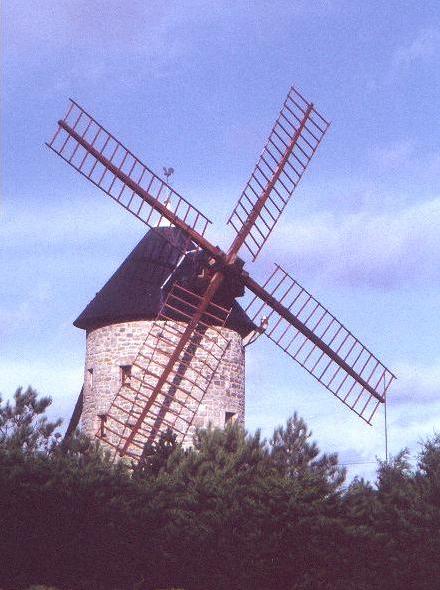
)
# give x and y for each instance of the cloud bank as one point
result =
(424, 47)
(381, 249)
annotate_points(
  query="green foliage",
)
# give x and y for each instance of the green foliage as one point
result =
(231, 513)
(298, 458)
(154, 458)
(23, 424)
(428, 475)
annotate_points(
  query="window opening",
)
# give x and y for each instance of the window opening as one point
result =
(230, 417)
(103, 420)
(125, 374)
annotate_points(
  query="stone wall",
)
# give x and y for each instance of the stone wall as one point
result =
(111, 347)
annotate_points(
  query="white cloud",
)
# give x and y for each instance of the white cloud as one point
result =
(419, 384)
(413, 414)
(20, 308)
(84, 23)
(370, 247)
(414, 162)
(96, 41)
(18, 313)
(393, 156)
(81, 218)
(413, 411)
(424, 47)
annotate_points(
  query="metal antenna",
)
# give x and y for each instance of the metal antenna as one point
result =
(386, 430)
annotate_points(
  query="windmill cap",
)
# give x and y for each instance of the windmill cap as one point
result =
(133, 292)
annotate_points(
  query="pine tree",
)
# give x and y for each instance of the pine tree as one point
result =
(23, 424)
(155, 455)
(299, 458)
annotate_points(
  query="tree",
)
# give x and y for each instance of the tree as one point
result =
(428, 474)
(23, 424)
(155, 455)
(255, 514)
(212, 499)
(299, 458)
(234, 512)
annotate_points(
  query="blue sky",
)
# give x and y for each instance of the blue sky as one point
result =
(197, 85)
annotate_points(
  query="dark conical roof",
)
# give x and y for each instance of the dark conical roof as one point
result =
(134, 291)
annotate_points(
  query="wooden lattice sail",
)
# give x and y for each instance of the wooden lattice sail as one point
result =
(180, 356)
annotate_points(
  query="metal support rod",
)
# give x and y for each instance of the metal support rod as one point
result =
(386, 430)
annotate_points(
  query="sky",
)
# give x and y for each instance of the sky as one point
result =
(197, 86)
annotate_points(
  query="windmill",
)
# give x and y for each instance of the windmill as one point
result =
(174, 375)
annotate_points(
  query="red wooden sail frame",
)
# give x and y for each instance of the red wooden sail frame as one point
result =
(107, 163)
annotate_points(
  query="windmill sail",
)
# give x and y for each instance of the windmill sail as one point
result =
(140, 412)
(89, 148)
(315, 339)
(186, 344)
(292, 143)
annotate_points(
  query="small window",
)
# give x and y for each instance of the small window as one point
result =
(90, 377)
(102, 421)
(125, 374)
(230, 418)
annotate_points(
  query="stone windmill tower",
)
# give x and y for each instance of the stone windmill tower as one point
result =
(118, 320)
(188, 367)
